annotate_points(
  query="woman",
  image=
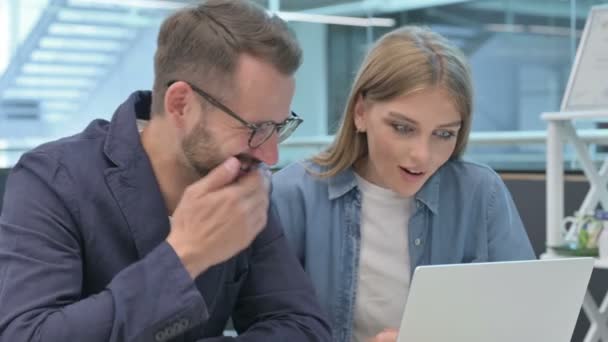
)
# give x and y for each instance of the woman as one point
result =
(391, 192)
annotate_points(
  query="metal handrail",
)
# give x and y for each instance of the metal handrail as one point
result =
(591, 136)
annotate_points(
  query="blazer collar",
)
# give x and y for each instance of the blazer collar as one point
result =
(134, 186)
(132, 180)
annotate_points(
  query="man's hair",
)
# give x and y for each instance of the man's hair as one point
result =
(203, 44)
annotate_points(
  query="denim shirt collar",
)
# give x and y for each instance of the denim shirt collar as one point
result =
(345, 181)
(342, 183)
(429, 193)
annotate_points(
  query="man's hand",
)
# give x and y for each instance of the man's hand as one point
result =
(219, 216)
(388, 335)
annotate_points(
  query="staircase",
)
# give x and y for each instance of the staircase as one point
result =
(73, 47)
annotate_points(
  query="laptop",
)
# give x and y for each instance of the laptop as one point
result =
(523, 301)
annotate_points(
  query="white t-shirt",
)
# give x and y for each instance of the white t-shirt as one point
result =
(384, 263)
(141, 124)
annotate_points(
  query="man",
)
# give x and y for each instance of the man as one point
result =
(164, 232)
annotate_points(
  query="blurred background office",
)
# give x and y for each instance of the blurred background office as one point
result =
(66, 62)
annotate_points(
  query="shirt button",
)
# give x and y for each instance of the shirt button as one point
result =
(417, 242)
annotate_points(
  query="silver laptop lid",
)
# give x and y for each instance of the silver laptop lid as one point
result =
(520, 301)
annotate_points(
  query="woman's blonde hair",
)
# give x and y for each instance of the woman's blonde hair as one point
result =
(401, 62)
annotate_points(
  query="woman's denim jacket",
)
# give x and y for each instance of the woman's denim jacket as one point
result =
(464, 213)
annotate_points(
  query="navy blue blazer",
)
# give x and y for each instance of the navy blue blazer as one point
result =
(83, 256)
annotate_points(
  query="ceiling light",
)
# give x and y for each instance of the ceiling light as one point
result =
(147, 4)
(335, 20)
(287, 16)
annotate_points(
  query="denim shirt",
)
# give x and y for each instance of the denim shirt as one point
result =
(463, 213)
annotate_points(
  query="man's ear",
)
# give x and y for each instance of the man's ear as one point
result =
(176, 102)
(359, 114)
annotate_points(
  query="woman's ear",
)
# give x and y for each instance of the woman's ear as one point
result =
(360, 114)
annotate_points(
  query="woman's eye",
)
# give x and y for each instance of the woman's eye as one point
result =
(445, 134)
(402, 129)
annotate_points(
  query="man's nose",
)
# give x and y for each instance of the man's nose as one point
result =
(268, 152)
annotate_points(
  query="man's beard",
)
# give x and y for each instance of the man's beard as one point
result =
(202, 152)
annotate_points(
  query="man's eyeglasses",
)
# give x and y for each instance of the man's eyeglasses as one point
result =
(260, 132)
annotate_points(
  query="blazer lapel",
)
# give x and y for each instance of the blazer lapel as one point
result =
(137, 193)
(139, 198)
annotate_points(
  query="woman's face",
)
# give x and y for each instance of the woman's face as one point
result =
(408, 138)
